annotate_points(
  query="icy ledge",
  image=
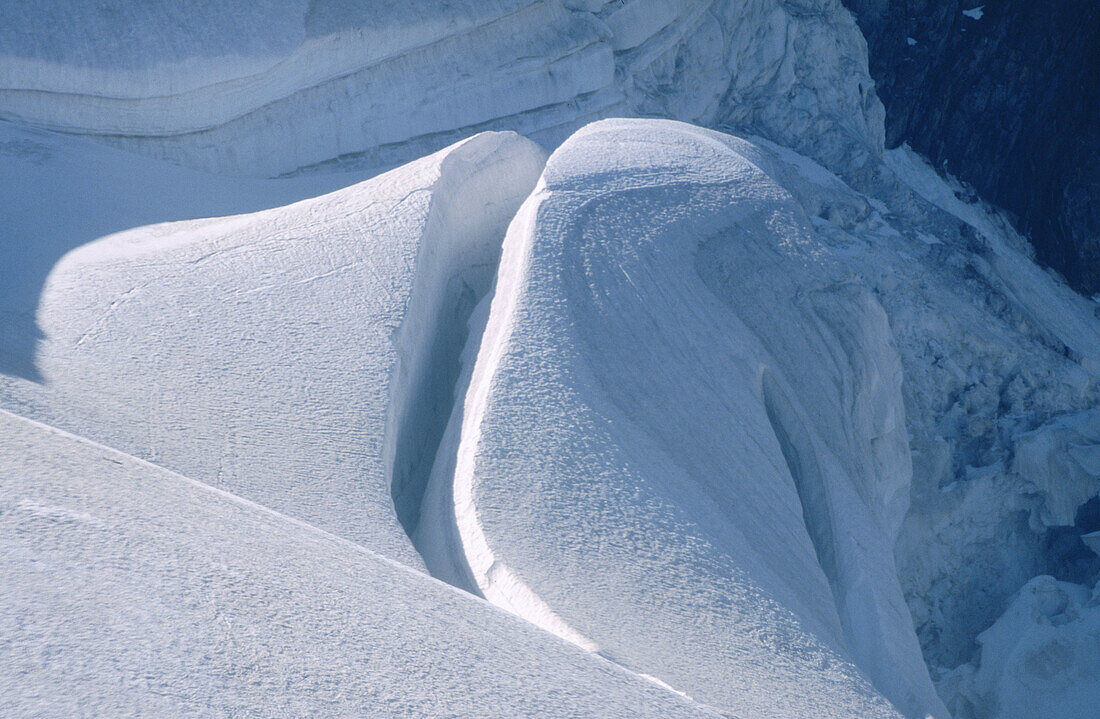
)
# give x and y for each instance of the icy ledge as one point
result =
(271, 87)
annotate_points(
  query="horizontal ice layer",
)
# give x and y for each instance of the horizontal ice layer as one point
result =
(268, 88)
(131, 590)
(282, 355)
(683, 441)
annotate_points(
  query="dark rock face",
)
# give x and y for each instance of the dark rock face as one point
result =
(1007, 99)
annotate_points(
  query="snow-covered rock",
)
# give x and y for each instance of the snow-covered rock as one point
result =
(291, 356)
(683, 443)
(132, 591)
(271, 87)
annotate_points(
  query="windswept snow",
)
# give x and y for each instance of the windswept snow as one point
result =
(130, 590)
(683, 443)
(762, 421)
(285, 355)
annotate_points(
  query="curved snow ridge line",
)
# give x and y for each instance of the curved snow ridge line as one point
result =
(223, 494)
(479, 184)
(497, 582)
(119, 457)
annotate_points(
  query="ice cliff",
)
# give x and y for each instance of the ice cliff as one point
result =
(272, 87)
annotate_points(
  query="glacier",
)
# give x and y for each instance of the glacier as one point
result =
(733, 412)
(374, 86)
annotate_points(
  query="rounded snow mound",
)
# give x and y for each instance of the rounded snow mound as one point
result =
(282, 355)
(683, 443)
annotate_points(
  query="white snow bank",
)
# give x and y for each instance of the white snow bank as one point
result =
(62, 192)
(130, 590)
(280, 355)
(271, 87)
(683, 442)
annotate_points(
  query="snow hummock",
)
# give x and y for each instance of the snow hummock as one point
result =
(284, 355)
(131, 590)
(644, 464)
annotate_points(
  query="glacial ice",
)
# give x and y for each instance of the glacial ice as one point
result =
(271, 87)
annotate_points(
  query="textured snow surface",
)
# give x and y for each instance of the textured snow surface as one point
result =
(279, 355)
(761, 420)
(132, 591)
(274, 86)
(685, 429)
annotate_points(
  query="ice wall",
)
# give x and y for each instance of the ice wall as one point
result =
(269, 88)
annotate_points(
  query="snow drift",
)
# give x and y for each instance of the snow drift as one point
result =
(683, 443)
(282, 355)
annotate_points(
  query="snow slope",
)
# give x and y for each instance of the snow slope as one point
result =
(62, 192)
(270, 87)
(285, 355)
(129, 590)
(683, 443)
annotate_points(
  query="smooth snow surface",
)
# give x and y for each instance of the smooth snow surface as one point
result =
(61, 192)
(270, 87)
(683, 442)
(284, 355)
(132, 591)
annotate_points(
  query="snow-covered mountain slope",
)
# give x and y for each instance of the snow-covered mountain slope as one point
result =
(271, 87)
(292, 356)
(683, 443)
(132, 591)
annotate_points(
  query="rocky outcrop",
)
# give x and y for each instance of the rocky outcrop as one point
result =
(1005, 96)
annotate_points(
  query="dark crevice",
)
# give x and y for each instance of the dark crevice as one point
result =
(429, 404)
(1065, 555)
(798, 453)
